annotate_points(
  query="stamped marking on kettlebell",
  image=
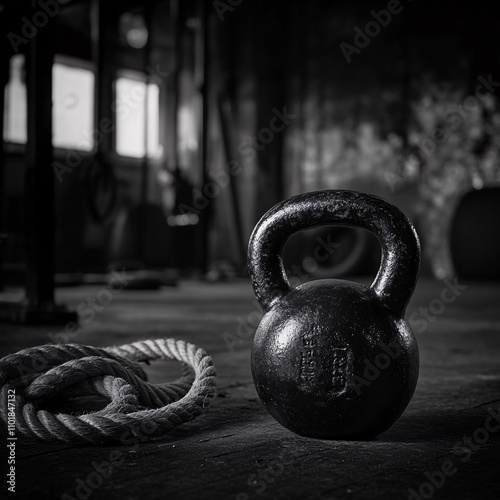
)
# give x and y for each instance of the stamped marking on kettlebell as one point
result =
(342, 368)
(308, 356)
(312, 364)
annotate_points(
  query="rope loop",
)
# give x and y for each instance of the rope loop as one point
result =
(71, 374)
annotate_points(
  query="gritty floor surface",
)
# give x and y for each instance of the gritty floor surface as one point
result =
(439, 448)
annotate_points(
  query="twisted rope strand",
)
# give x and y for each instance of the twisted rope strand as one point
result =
(42, 373)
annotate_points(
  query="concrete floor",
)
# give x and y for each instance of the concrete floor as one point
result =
(238, 451)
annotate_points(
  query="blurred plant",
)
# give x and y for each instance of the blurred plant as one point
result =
(338, 156)
(455, 139)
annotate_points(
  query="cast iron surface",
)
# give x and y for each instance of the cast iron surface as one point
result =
(332, 358)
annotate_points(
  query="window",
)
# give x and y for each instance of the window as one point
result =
(134, 101)
(15, 116)
(72, 110)
(73, 107)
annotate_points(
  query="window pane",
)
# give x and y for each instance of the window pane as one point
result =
(73, 107)
(15, 116)
(155, 149)
(130, 118)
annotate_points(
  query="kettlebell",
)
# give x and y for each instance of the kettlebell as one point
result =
(335, 359)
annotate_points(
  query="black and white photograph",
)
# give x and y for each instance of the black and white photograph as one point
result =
(249, 250)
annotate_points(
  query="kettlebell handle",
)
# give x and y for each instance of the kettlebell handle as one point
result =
(399, 266)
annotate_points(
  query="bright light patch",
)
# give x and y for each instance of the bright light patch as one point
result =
(73, 108)
(15, 115)
(132, 97)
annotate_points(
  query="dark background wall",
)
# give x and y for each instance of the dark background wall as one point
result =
(364, 122)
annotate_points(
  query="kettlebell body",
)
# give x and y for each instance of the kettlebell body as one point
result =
(331, 358)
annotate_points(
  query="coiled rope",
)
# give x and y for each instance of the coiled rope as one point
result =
(55, 372)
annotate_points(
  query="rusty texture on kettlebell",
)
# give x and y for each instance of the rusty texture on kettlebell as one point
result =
(332, 358)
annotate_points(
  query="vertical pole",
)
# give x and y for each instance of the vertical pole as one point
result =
(40, 230)
(4, 75)
(174, 89)
(205, 214)
(40, 191)
(143, 229)
(101, 97)
(226, 119)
